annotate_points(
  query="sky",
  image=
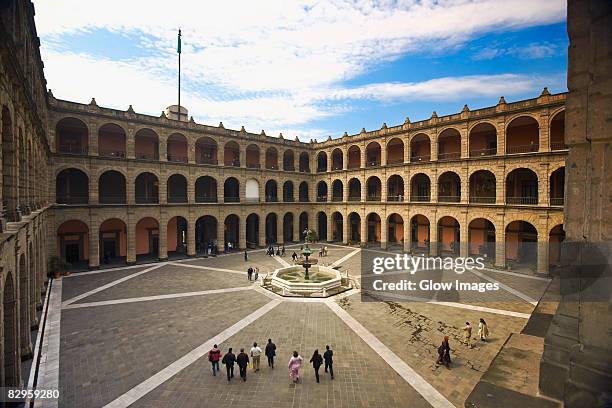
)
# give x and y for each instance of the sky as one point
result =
(308, 68)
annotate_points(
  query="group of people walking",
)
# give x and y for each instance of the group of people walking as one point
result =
(444, 349)
(243, 359)
(253, 273)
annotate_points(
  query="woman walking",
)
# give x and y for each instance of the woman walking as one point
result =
(483, 330)
(444, 353)
(316, 361)
(295, 362)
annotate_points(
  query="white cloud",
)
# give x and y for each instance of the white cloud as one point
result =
(533, 50)
(271, 63)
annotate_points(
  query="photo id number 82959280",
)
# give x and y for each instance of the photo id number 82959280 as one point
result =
(16, 394)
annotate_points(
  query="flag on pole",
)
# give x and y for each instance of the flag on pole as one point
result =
(178, 47)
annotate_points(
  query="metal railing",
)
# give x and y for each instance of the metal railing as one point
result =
(355, 198)
(398, 197)
(522, 149)
(449, 156)
(522, 200)
(304, 200)
(482, 200)
(272, 167)
(72, 149)
(72, 199)
(449, 199)
(320, 170)
(112, 199)
(233, 163)
(558, 146)
(483, 152)
(289, 168)
(206, 160)
(557, 201)
(231, 199)
(321, 199)
(146, 199)
(206, 199)
(288, 199)
(251, 200)
(147, 156)
(111, 153)
(373, 163)
(337, 198)
(417, 159)
(373, 198)
(177, 199)
(253, 165)
(271, 199)
(420, 199)
(395, 161)
(177, 159)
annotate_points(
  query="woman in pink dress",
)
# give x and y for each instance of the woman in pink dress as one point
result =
(294, 367)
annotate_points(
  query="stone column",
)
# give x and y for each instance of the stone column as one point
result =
(280, 239)
(131, 241)
(163, 189)
(500, 245)
(463, 237)
(191, 159)
(163, 237)
(191, 236)
(330, 227)
(433, 236)
(433, 185)
(296, 227)
(362, 150)
(407, 151)
(364, 231)
(262, 229)
(163, 149)
(242, 232)
(500, 185)
(383, 154)
(345, 229)
(345, 158)
(433, 145)
(384, 231)
(94, 244)
(407, 234)
(130, 144)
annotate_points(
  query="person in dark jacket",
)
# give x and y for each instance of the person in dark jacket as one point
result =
(270, 352)
(444, 353)
(229, 359)
(246, 256)
(328, 356)
(243, 361)
(316, 361)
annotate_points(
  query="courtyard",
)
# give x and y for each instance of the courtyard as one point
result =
(139, 336)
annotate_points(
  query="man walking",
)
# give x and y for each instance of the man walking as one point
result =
(250, 273)
(229, 359)
(213, 356)
(243, 361)
(256, 354)
(467, 332)
(328, 356)
(270, 352)
(316, 361)
(246, 257)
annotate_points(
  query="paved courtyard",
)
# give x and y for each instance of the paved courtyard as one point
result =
(139, 336)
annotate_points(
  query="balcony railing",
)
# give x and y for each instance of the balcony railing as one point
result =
(558, 146)
(482, 200)
(320, 170)
(146, 199)
(483, 152)
(337, 198)
(251, 200)
(417, 159)
(233, 163)
(271, 199)
(72, 199)
(112, 199)
(373, 197)
(111, 153)
(373, 163)
(556, 201)
(304, 200)
(321, 199)
(207, 160)
(353, 166)
(449, 199)
(230, 199)
(289, 168)
(420, 199)
(449, 156)
(336, 168)
(147, 156)
(288, 199)
(522, 200)
(398, 197)
(272, 167)
(206, 199)
(253, 165)
(521, 149)
(304, 170)
(177, 159)
(395, 161)
(72, 149)
(355, 198)
(177, 199)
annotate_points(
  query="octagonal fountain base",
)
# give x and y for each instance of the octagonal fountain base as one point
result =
(323, 282)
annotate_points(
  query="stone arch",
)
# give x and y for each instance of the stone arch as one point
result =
(271, 158)
(111, 140)
(146, 238)
(252, 230)
(321, 162)
(420, 188)
(206, 189)
(373, 154)
(177, 148)
(11, 377)
(337, 158)
(177, 188)
(521, 238)
(557, 130)
(354, 186)
(354, 220)
(337, 227)
(206, 235)
(73, 242)
(72, 187)
(304, 162)
(113, 241)
(252, 190)
(231, 154)
(288, 194)
(321, 191)
(482, 139)
(522, 187)
(420, 148)
(252, 156)
(395, 151)
(449, 144)
(271, 191)
(288, 160)
(146, 144)
(481, 238)
(337, 190)
(288, 227)
(231, 232)
(231, 190)
(303, 192)
(111, 188)
(353, 157)
(556, 236)
(522, 134)
(448, 235)
(176, 236)
(395, 188)
(271, 228)
(71, 136)
(482, 187)
(373, 188)
(146, 187)
(395, 228)
(206, 150)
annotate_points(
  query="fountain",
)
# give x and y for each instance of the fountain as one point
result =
(307, 277)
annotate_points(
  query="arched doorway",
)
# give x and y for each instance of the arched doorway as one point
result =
(231, 190)
(522, 135)
(146, 145)
(73, 243)
(288, 228)
(72, 187)
(113, 241)
(395, 226)
(111, 141)
(322, 226)
(448, 235)
(373, 225)
(111, 188)
(177, 189)
(521, 243)
(232, 231)
(321, 162)
(337, 225)
(11, 364)
(354, 228)
(147, 188)
(271, 229)
(176, 237)
(555, 240)
(303, 224)
(147, 239)
(481, 238)
(206, 190)
(206, 235)
(419, 231)
(72, 136)
(522, 187)
(482, 187)
(252, 231)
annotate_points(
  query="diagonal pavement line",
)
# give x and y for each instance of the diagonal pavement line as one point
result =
(105, 270)
(345, 257)
(519, 275)
(507, 288)
(48, 372)
(111, 284)
(157, 297)
(281, 261)
(450, 304)
(208, 268)
(427, 391)
(148, 385)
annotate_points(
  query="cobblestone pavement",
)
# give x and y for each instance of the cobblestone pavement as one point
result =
(109, 350)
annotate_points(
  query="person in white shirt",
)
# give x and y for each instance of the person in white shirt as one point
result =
(256, 354)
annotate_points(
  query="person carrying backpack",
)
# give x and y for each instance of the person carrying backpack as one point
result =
(213, 356)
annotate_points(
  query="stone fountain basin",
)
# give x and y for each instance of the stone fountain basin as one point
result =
(291, 279)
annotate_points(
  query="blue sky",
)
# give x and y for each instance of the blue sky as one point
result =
(305, 68)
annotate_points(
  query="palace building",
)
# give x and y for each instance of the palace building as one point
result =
(101, 187)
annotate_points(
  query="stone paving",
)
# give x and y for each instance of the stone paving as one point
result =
(108, 350)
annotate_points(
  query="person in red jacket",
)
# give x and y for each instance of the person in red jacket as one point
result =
(214, 355)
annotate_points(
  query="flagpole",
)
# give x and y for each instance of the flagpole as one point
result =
(179, 74)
